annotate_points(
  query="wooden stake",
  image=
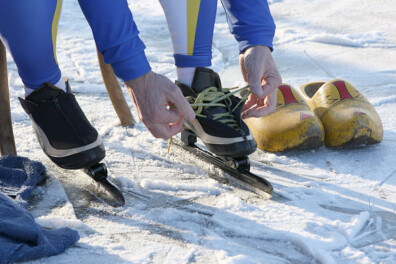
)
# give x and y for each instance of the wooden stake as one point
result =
(7, 142)
(115, 93)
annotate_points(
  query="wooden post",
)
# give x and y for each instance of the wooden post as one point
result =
(115, 93)
(7, 142)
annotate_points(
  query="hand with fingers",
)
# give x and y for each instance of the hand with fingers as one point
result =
(259, 70)
(152, 95)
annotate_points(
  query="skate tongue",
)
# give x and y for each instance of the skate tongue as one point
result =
(46, 92)
(204, 78)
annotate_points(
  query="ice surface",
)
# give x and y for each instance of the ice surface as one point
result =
(338, 206)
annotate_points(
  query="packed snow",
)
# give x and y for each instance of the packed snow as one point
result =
(330, 206)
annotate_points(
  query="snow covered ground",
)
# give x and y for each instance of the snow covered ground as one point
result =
(331, 206)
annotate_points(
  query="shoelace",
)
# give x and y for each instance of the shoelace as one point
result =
(212, 97)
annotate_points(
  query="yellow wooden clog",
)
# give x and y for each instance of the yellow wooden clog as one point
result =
(347, 116)
(293, 126)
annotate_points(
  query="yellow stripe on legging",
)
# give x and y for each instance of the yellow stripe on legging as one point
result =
(192, 19)
(55, 26)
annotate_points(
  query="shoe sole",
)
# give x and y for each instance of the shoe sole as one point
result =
(81, 160)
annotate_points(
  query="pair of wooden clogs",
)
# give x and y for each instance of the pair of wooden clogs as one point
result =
(333, 112)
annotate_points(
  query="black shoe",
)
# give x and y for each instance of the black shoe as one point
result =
(63, 131)
(220, 126)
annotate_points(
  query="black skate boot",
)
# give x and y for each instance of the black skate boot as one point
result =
(218, 120)
(63, 131)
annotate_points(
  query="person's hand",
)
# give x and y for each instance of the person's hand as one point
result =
(259, 70)
(152, 95)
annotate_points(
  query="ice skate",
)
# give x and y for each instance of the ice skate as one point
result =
(63, 131)
(218, 120)
(66, 136)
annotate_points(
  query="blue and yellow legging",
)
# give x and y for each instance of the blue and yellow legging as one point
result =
(29, 28)
(191, 24)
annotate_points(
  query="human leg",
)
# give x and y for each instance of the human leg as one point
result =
(218, 122)
(29, 30)
(191, 24)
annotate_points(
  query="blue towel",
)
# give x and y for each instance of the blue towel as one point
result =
(21, 238)
(18, 176)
